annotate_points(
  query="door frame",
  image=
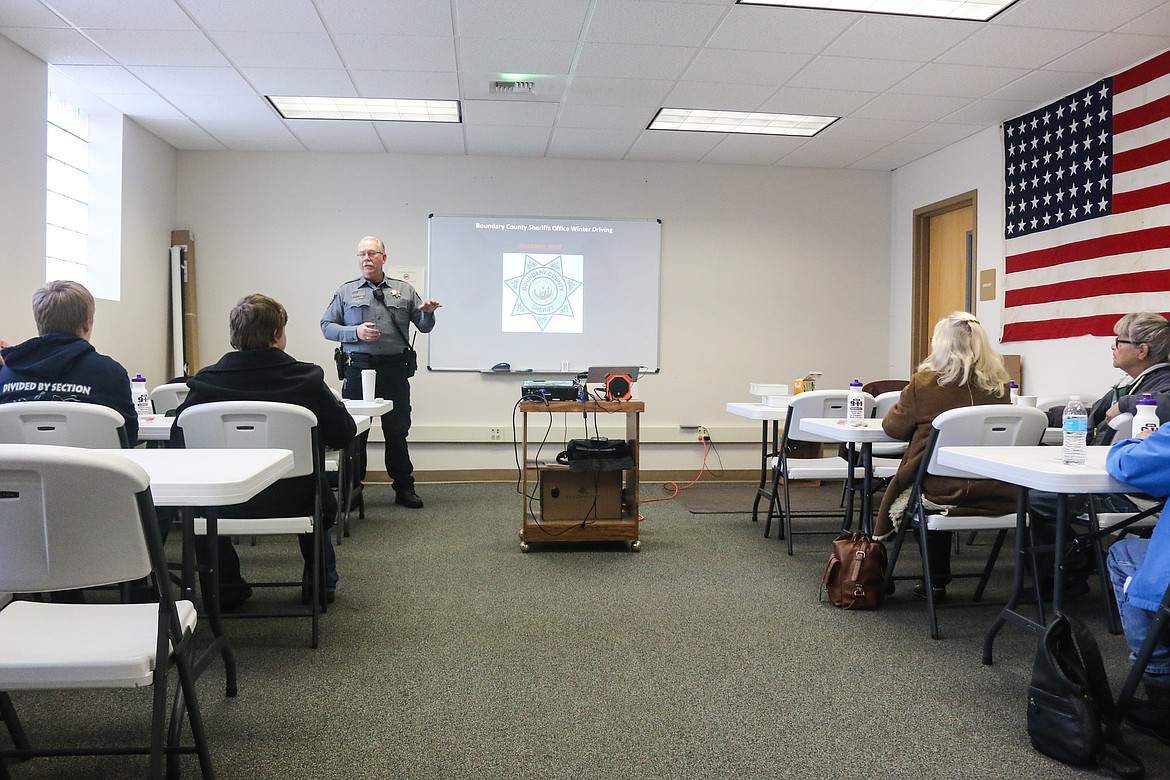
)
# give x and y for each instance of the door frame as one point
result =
(920, 329)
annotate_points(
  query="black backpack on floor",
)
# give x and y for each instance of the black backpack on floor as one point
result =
(1071, 712)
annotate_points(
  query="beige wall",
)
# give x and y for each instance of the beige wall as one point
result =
(766, 272)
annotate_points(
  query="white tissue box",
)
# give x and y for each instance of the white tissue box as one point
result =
(765, 390)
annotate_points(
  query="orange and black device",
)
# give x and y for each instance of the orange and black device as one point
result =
(618, 387)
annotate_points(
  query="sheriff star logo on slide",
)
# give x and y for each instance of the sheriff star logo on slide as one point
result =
(542, 290)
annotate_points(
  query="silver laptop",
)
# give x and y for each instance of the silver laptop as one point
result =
(597, 374)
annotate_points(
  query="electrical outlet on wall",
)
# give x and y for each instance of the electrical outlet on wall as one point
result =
(495, 434)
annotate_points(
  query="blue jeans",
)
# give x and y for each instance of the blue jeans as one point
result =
(1125, 557)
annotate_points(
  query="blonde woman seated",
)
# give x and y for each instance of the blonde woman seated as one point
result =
(962, 370)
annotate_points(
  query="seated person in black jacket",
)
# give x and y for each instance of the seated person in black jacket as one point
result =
(260, 370)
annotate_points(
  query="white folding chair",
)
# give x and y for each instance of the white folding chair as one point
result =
(168, 397)
(968, 426)
(75, 518)
(266, 425)
(787, 469)
(881, 405)
(64, 423)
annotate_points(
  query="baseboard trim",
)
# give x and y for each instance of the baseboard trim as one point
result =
(509, 475)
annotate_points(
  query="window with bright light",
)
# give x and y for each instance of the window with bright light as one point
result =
(67, 203)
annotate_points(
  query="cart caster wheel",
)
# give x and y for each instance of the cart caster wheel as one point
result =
(636, 545)
(524, 546)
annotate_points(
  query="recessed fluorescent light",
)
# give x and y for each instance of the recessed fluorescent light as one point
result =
(751, 122)
(366, 109)
(973, 10)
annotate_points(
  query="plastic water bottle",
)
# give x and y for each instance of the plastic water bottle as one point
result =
(1145, 419)
(855, 414)
(140, 395)
(1076, 430)
(1015, 391)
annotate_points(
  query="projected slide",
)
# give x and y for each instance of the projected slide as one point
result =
(539, 293)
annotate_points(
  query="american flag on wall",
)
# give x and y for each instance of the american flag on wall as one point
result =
(1087, 207)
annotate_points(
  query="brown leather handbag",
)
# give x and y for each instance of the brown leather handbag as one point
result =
(853, 575)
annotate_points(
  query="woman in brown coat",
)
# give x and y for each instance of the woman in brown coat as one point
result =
(962, 370)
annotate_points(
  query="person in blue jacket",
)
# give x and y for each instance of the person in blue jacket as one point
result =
(1140, 572)
(60, 364)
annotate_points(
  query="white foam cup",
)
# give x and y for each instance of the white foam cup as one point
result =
(369, 380)
(1025, 400)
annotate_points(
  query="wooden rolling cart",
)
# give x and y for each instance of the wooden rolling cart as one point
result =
(622, 526)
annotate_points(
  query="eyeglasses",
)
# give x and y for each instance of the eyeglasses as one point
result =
(370, 253)
(1118, 342)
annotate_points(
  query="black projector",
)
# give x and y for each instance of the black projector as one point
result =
(550, 390)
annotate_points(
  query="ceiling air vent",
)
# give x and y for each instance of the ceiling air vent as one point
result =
(512, 87)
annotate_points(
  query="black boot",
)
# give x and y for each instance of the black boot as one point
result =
(1152, 714)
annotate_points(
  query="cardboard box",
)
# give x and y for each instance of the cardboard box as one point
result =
(580, 495)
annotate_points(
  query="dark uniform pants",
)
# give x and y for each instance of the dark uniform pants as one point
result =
(392, 385)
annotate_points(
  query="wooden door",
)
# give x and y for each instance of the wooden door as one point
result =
(944, 267)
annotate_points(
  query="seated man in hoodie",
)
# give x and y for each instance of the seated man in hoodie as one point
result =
(60, 364)
(260, 370)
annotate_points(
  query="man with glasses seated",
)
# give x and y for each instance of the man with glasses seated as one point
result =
(1142, 351)
(370, 316)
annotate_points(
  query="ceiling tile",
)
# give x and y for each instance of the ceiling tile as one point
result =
(194, 81)
(794, 30)
(1041, 86)
(158, 47)
(852, 73)
(638, 21)
(421, 138)
(925, 108)
(1095, 15)
(957, 80)
(616, 117)
(106, 79)
(591, 144)
(499, 55)
(878, 36)
(398, 84)
(328, 135)
(518, 113)
(884, 130)
(894, 156)
(557, 20)
(507, 141)
(389, 17)
(233, 131)
(305, 82)
(752, 67)
(819, 102)
(738, 149)
(180, 133)
(990, 112)
(28, 13)
(140, 106)
(941, 134)
(616, 60)
(839, 154)
(222, 107)
(617, 92)
(1022, 46)
(279, 50)
(710, 95)
(673, 146)
(256, 15)
(1111, 53)
(124, 14)
(57, 46)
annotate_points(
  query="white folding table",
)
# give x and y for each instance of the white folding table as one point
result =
(205, 480)
(852, 433)
(769, 444)
(1034, 468)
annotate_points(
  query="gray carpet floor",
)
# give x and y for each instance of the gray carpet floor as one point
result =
(451, 654)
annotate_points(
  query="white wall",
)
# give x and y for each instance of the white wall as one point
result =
(133, 330)
(1082, 364)
(766, 272)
